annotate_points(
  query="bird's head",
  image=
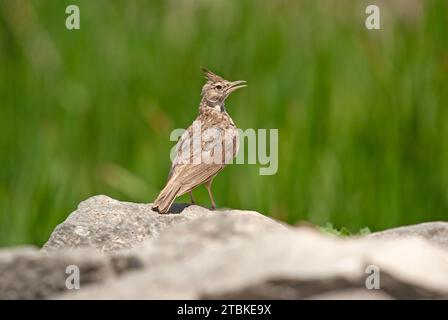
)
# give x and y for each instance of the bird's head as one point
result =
(217, 89)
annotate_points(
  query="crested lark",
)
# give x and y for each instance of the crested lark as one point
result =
(206, 146)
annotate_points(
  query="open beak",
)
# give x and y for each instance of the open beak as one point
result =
(236, 85)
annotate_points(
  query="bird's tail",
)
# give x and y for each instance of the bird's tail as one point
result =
(166, 197)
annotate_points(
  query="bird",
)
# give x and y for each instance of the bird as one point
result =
(206, 147)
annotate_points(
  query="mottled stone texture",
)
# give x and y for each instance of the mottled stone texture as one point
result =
(127, 251)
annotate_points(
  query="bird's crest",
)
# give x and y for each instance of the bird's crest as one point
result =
(210, 76)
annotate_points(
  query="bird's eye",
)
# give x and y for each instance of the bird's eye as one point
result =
(219, 87)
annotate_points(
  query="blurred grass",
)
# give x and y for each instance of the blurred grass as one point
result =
(362, 115)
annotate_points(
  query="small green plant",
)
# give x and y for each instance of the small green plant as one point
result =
(343, 232)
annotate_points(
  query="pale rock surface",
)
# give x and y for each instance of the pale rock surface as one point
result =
(127, 251)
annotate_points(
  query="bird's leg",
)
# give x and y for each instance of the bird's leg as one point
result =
(192, 198)
(208, 185)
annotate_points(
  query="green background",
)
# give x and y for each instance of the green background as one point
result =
(362, 114)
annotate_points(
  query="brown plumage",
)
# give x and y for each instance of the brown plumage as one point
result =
(206, 146)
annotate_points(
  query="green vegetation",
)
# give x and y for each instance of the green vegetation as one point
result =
(362, 115)
(343, 232)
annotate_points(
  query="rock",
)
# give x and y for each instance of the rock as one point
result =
(435, 232)
(109, 225)
(289, 264)
(188, 239)
(101, 224)
(27, 273)
(352, 294)
(127, 251)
